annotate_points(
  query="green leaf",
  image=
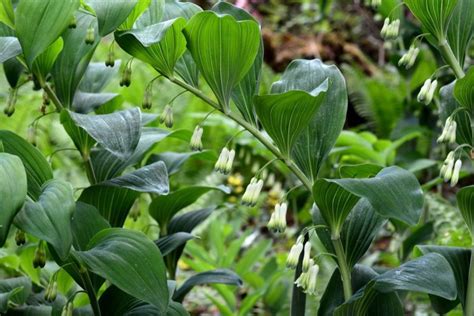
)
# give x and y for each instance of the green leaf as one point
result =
(138, 9)
(334, 203)
(461, 29)
(12, 192)
(113, 203)
(418, 235)
(15, 290)
(430, 274)
(111, 13)
(185, 66)
(359, 171)
(174, 161)
(45, 61)
(97, 76)
(38, 171)
(393, 193)
(118, 132)
(73, 60)
(40, 23)
(9, 48)
(459, 259)
(152, 15)
(106, 165)
(243, 93)
(465, 198)
(160, 45)
(7, 15)
(170, 242)
(86, 102)
(284, 116)
(188, 221)
(49, 219)
(221, 276)
(13, 70)
(130, 261)
(116, 302)
(223, 49)
(317, 139)
(151, 178)
(164, 207)
(464, 90)
(86, 222)
(434, 15)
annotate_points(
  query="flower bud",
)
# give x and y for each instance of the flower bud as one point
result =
(451, 134)
(51, 291)
(73, 22)
(229, 163)
(40, 256)
(147, 99)
(430, 92)
(254, 192)
(20, 237)
(31, 135)
(247, 197)
(90, 35)
(68, 309)
(196, 139)
(386, 23)
(457, 169)
(12, 97)
(312, 279)
(110, 61)
(126, 77)
(294, 255)
(376, 3)
(424, 91)
(306, 256)
(167, 116)
(449, 170)
(46, 99)
(222, 160)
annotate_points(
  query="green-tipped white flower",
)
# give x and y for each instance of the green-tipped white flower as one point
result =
(167, 116)
(448, 172)
(252, 192)
(196, 139)
(456, 170)
(51, 291)
(304, 280)
(444, 167)
(386, 23)
(423, 94)
(230, 162)
(408, 59)
(277, 221)
(431, 92)
(294, 255)
(312, 279)
(222, 160)
(449, 132)
(375, 3)
(306, 257)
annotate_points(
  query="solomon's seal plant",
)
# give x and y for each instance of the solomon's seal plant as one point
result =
(78, 231)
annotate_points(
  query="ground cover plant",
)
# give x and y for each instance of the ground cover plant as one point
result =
(108, 208)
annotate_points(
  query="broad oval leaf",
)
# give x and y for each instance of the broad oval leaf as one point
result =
(459, 259)
(14, 290)
(464, 91)
(138, 9)
(152, 15)
(86, 223)
(317, 139)
(223, 49)
(185, 66)
(9, 48)
(221, 276)
(118, 132)
(40, 23)
(151, 178)
(160, 45)
(434, 15)
(465, 198)
(49, 218)
(169, 243)
(164, 207)
(461, 29)
(393, 193)
(284, 116)
(73, 60)
(113, 203)
(38, 171)
(243, 93)
(130, 261)
(13, 190)
(111, 13)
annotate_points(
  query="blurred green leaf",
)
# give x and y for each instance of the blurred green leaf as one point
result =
(15, 290)
(13, 189)
(111, 13)
(9, 48)
(465, 198)
(464, 90)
